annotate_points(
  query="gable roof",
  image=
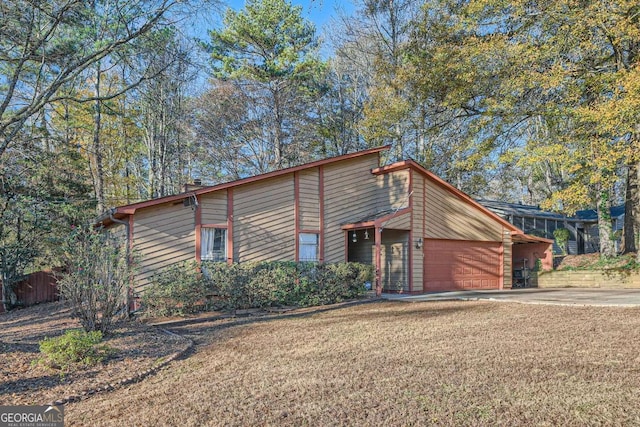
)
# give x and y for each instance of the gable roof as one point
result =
(411, 164)
(130, 209)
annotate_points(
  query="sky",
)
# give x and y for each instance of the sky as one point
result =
(318, 11)
(321, 12)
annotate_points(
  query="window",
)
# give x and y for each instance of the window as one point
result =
(213, 244)
(308, 250)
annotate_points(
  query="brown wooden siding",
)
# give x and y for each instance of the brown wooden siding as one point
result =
(350, 195)
(394, 266)
(163, 235)
(402, 222)
(214, 207)
(263, 224)
(309, 207)
(394, 188)
(507, 261)
(363, 250)
(448, 217)
(418, 228)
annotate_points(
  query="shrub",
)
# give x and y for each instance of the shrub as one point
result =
(75, 347)
(96, 278)
(176, 290)
(562, 238)
(263, 284)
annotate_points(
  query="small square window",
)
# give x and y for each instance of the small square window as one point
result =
(213, 244)
(308, 250)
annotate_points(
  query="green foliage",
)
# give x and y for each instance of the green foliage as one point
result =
(264, 284)
(538, 265)
(176, 290)
(562, 238)
(95, 281)
(182, 289)
(268, 40)
(266, 57)
(75, 347)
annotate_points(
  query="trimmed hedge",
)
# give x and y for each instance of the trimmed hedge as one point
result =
(176, 290)
(183, 288)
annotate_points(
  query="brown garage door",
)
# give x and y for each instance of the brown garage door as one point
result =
(454, 265)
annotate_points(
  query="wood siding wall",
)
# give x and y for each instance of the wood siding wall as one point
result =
(507, 261)
(401, 222)
(309, 208)
(395, 260)
(351, 194)
(264, 223)
(418, 229)
(449, 217)
(163, 235)
(394, 190)
(363, 250)
(214, 207)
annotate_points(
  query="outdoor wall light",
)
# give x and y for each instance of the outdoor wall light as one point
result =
(419, 243)
(354, 237)
(366, 235)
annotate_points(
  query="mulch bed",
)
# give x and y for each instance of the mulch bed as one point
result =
(24, 381)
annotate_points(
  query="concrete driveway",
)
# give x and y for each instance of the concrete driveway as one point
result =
(558, 296)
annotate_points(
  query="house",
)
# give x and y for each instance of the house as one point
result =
(583, 226)
(419, 232)
(589, 217)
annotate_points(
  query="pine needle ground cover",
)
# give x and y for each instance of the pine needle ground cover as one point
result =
(391, 363)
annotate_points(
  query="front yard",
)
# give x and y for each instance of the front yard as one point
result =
(390, 363)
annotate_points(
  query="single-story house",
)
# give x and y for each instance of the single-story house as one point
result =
(583, 226)
(421, 233)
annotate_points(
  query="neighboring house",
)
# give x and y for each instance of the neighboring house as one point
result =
(419, 232)
(583, 226)
(590, 216)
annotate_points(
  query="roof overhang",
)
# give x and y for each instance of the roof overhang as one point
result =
(518, 238)
(376, 220)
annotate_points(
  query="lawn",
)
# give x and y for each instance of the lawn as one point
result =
(393, 363)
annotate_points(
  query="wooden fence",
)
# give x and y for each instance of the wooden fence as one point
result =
(38, 287)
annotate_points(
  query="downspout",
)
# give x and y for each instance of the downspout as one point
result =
(128, 254)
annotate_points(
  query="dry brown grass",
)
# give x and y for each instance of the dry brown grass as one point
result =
(24, 381)
(391, 363)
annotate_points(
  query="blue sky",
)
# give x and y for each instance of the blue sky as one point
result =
(318, 11)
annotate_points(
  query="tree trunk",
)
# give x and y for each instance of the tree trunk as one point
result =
(636, 213)
(631, 199)
(607, 245)
(278, 144)
(96, 147)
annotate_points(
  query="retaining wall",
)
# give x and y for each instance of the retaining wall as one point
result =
(614, 279)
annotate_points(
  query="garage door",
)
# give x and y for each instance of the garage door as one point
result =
(454, 265)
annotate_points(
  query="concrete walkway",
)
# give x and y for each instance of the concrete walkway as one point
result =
(558, 296)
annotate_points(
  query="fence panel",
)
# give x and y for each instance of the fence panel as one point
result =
(38, 287)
